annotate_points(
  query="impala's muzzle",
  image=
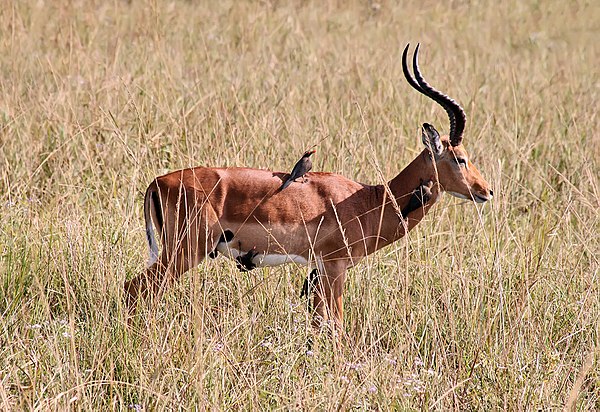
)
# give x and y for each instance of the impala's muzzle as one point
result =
(481, 199)
(475, 197)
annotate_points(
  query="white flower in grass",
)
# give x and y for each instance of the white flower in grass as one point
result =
(372, 389)
(345, 379)
(309, 353)
(354, 366)
(391, 361)
(66, 335)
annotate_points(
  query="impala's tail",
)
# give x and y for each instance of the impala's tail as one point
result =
(152, 212)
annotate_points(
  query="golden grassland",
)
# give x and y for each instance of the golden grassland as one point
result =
(485, 308)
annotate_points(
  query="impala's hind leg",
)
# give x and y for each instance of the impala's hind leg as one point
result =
(157, 278)
(145, 284)
(167, 269)
(177, 257)
(182, 221)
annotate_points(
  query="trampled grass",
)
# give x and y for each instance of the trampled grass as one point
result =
(494, 307)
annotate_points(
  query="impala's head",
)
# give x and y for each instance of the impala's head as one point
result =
(455, 172)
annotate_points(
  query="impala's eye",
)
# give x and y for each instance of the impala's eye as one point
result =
(461, 161)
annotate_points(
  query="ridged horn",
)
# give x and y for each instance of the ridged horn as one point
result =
(456, 114)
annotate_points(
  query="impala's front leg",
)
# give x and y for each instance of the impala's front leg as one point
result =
(309, 284)
(328, 298)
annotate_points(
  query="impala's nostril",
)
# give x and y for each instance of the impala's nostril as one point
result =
(491, 192)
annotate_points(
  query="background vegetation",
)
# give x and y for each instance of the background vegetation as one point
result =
(488, 308)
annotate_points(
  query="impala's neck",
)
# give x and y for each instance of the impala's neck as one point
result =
(419, 171)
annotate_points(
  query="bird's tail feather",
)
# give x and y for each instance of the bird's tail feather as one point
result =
(285, 184)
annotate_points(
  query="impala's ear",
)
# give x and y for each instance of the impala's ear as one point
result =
(431, 139)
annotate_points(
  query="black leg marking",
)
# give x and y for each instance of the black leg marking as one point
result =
(309, 283)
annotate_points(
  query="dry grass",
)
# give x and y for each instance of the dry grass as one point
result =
(478, 308)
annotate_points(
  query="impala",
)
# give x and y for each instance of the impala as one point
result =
(328, 223)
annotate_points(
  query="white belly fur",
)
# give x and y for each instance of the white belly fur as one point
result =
(262, 259)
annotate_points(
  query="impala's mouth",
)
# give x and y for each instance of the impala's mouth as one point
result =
(474, 197)
(460, 196)
(480, 199)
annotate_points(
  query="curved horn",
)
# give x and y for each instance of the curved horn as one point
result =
(456, 114)
(409, 78)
